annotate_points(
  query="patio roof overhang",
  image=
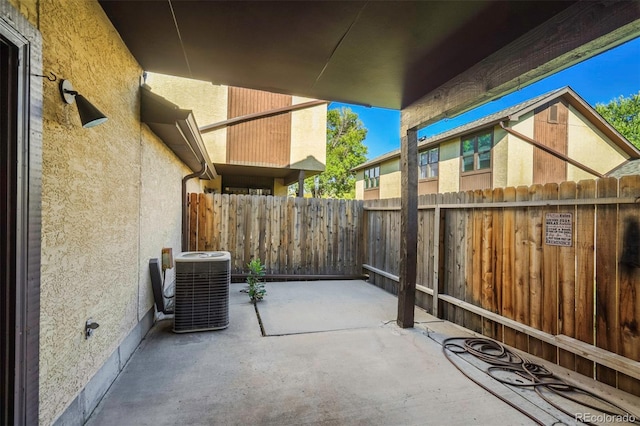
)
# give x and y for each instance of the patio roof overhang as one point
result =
(290, 175)
(381, 53)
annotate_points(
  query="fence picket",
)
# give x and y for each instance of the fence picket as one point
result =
(534, 232)
(585, 250)
(550, 280)
(508, 255)
(607, 277)
(629, 278)
(567, 280)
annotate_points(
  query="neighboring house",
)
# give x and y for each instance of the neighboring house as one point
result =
(631, 167)
(506, 149)
(259, 142)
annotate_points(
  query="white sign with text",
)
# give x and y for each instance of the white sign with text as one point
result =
(559, 229)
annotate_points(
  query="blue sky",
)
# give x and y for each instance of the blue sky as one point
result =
(597, 80)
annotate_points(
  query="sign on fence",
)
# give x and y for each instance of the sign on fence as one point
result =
(558, 229)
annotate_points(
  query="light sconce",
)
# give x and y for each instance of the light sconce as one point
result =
(89, 115)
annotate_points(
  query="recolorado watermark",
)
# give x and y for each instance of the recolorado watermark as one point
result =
(605, 418)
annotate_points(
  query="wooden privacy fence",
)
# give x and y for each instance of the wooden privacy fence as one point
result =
(291, 236)
(488, 260)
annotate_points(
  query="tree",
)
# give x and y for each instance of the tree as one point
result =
(345, 150)
(624, 115)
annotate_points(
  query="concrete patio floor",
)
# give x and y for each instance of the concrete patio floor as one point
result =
(332, 356)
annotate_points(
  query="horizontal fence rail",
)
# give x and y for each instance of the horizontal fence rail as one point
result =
(485, 262)
(291, 236)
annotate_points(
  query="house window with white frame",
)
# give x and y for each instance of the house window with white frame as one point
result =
(372, 177)
(476, 151)
(428, 163)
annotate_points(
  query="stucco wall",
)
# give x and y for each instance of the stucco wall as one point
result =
(390, 185)
(359, 185)
(449, 167)
(279, 188)
(591, 147)
(520, 154)
(308, 136)
(99, 190)
(160, 209)
(499, 157)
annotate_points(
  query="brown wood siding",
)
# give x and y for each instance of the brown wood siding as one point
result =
(554, 134)
(372, 194)
(427, 187)
(477, 180)
(261, 142)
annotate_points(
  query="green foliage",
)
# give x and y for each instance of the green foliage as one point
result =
(256, 286)
(624, 115)
(345, 150)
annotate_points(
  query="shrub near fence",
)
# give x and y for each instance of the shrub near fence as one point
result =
(575, 305)
(292, 236)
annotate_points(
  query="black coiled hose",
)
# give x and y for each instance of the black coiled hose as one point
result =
(537, 377)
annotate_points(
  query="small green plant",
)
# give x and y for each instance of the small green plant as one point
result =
(254, 279)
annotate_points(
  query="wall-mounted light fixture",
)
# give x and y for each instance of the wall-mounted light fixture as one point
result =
(89, 115)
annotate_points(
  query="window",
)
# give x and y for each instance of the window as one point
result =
(476, 151)
(372, 177)
(429, 163)
(553, 114)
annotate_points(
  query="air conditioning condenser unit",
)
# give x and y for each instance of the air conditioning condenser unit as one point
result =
(202, 291)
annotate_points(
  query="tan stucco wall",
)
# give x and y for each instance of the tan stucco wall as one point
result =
(160, 209)
(591, 147)
(520, 154)
(390, 185)
(279, 188)
(449, 168)
(499, 158)
(308, 136)
(208, 102)
(359, 185)
(110, 200)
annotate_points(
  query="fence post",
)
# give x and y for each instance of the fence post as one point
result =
(438, 257)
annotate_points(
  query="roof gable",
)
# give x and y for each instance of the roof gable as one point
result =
(514, 113)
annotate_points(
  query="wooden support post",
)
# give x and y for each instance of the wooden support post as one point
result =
(408, 228)
(301, 184)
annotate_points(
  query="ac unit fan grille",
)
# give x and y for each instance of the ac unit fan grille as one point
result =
(201, 296)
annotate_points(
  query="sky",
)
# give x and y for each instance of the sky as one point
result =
(600, 79)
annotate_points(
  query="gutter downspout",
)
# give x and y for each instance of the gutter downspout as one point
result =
(551, 151)
(185, 201)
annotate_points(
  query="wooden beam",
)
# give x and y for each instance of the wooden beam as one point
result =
(385, 274)
(256, 115)
(301, 183)
(583, 30)
(551, 151)
(408, 228)
(395, 278)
